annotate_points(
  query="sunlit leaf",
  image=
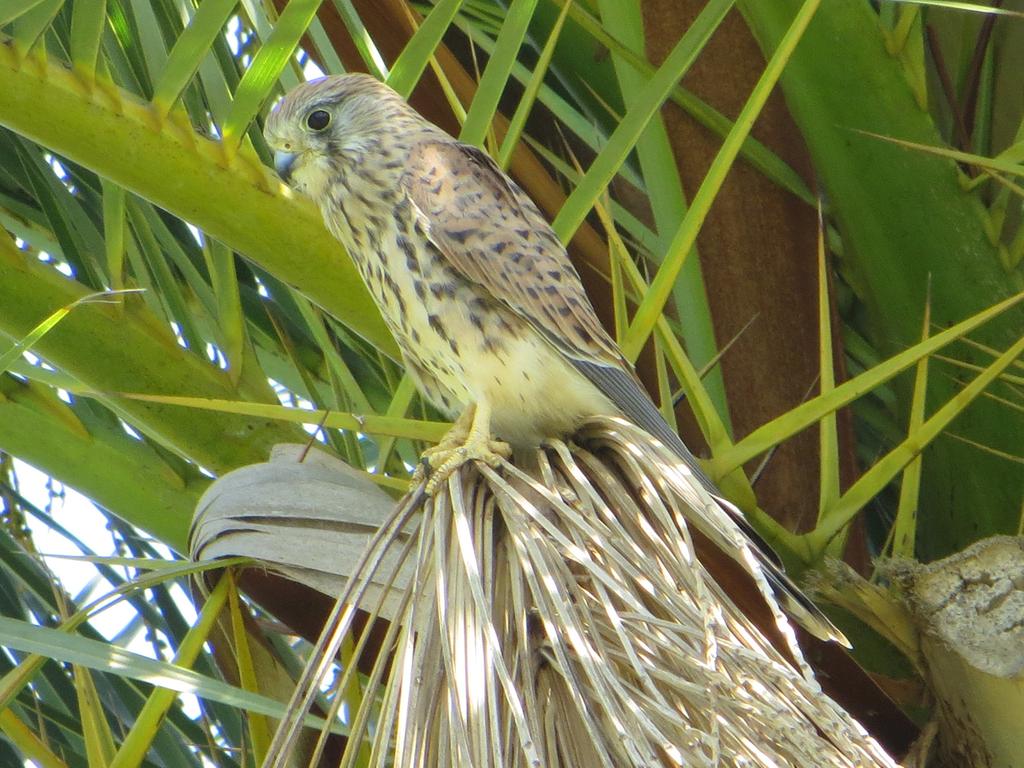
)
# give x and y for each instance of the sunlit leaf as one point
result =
(260, 77)
(102, 657)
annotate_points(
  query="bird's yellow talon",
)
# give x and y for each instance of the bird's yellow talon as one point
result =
(438, 463)
(444, 464)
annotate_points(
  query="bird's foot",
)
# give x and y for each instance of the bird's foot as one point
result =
(438, 463)
(455, 437)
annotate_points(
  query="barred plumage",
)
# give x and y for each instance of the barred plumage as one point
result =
(490, 314)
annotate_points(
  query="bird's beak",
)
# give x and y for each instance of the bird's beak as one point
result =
(283, 162)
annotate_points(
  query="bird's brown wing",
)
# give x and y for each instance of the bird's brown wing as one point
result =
(493, 234)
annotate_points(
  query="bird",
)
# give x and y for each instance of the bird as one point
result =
(489, 313)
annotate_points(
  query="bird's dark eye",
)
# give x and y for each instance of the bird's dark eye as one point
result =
(318, 119)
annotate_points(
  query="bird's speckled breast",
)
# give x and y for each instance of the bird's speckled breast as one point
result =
(461, 344)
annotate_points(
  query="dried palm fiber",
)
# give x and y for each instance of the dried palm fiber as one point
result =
(566, 620)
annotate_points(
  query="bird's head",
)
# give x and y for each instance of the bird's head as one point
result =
(319, 120)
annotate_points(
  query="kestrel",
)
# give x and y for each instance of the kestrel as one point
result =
(487, 309)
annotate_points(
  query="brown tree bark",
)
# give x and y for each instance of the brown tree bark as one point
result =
(758, 251)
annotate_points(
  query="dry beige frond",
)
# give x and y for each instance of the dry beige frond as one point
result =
(565, 620)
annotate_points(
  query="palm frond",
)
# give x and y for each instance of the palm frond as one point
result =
(566, 617)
